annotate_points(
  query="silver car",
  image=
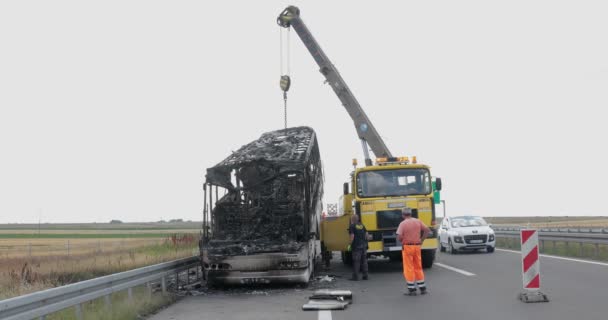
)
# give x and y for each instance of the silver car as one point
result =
(466, 233)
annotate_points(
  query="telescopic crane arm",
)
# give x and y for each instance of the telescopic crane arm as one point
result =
(290, 17)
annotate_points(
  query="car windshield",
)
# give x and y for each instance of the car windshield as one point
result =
(393, 182)
(459, 222)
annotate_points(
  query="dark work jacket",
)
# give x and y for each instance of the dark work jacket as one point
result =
(360, 241)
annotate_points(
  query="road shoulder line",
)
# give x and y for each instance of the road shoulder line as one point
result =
(464, 272)
(559, 258)
(324, 315)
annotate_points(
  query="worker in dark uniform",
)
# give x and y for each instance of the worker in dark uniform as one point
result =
(358, 246)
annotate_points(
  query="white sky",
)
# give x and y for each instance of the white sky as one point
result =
(114, 109)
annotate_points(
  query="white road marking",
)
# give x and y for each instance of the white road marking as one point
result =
(560, 258)
(466, 273)
(324, 315)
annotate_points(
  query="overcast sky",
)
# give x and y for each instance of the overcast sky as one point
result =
(114, 109)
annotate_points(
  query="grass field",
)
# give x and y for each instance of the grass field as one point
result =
(60, 235)
(104, 226)
(556, 222)
(560, 248)
(33, 259)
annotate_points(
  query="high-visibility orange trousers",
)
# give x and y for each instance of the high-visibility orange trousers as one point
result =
(412, 266)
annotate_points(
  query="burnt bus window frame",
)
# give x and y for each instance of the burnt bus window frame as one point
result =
(297, 162)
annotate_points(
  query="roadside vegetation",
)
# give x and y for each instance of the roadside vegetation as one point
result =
(551, 222)
(30, 263)
(142, 305)
(559, 248)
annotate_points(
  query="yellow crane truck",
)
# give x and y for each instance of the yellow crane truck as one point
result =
(377, 191)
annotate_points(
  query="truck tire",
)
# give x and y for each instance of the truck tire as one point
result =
(325, 255)
(395, 256)
(428, 257)
(347, 258)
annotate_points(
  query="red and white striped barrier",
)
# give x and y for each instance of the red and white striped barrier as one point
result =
(531, 267)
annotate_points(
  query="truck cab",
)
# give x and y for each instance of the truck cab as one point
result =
(377, 194)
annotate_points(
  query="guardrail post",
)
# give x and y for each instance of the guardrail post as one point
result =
(542, 245)
(580, 249)
(597, 251)
(163, 285)
(188, 276)
(148, 290)
(42, 318)
(78, 311)
(130, 294)
(108, 302)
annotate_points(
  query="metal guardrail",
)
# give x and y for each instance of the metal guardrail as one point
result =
(581, 236)
(599, 238)
(560, 230)
(41, 303)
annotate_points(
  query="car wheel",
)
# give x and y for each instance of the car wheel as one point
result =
(452, 249)
(490, 249)
(427, 257)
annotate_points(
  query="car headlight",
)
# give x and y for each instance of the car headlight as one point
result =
(491, 237)
(458, 239)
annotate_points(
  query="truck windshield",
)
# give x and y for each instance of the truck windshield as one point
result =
(393, 182)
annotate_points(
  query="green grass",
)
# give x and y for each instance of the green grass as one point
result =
(561, 248)
(122, 309)
(81, 235)
(103, 226)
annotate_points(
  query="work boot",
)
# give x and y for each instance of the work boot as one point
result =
(365, 277)
(354, 278)
(410, 292)
(423, 290)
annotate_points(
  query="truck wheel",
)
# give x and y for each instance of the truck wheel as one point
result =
(325, 255)
(428, 257)
(395, 256)
(490, 249)
(347, 258)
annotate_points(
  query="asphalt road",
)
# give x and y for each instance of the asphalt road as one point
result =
(463, 286)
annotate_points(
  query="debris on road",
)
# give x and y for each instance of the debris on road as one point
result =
(329, 300)
(533, 297)
(325, 278)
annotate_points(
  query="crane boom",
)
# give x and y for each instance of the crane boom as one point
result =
(290, 17)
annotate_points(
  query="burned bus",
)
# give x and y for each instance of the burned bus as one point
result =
(262, 211)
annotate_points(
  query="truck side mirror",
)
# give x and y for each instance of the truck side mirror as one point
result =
(345, 188)
(438, 184)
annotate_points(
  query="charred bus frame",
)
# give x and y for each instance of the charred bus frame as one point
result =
(262, 210)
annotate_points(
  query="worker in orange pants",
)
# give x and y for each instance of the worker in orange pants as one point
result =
(411, 233)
